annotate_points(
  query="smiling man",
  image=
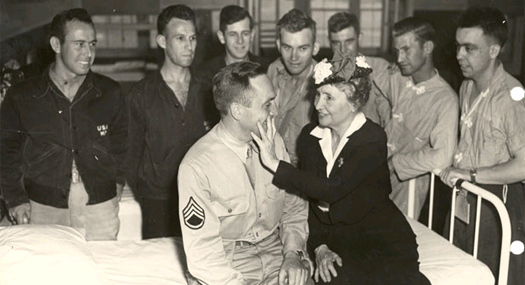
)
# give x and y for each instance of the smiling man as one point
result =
(291, 75)
(63, 138)
(422, 134)
(236, 34)
(165, 119)
(491, 150)
(239, 228)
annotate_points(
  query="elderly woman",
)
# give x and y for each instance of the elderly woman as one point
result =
(344, 172)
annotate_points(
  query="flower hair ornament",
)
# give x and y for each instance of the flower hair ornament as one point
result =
(340, 69)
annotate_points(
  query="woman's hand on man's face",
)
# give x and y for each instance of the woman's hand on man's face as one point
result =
(266, 143)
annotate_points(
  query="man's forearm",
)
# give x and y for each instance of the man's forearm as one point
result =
(505, 173)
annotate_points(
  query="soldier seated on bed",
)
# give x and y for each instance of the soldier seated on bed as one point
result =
(63, 138)
(237, 227)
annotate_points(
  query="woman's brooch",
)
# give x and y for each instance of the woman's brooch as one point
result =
(340, 162)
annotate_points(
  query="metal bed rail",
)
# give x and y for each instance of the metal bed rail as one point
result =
(481, 194)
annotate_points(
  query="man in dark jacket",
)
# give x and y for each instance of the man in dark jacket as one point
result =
(63, 138)
(165, 119)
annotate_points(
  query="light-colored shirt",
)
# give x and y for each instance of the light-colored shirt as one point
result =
(215, 186)
(325, 142)
(493, 127)
(378, 108)
(422, 134)
(293, 101)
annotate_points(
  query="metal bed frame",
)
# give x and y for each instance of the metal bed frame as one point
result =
(481, 194)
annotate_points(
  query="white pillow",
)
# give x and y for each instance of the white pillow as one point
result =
(46, 254)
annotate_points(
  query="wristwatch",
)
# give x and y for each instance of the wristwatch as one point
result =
(473, 172)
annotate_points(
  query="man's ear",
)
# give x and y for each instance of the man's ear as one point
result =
(278, 43)
(494, 51)
(236, 111)
(428, 47)
(316, 48)
(220, 35)
(55, 44)
(161, 41)
(252, 35)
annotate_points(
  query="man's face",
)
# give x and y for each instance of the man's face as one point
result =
(473, 49)
(345, 42)
(179, 42)
(410, 53)
(237, 39)
(297, 50)
(262, 96)
(77, 52)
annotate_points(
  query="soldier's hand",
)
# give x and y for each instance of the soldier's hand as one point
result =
(293, 270)
(21, 214)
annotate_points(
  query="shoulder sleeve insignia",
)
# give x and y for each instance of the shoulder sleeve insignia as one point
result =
(193, 215)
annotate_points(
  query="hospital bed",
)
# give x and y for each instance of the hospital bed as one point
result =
(60, 255)
(481, 194)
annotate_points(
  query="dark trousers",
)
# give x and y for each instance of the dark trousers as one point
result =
(381, 249)
(490, 231)
(442, 198)
(160, 218)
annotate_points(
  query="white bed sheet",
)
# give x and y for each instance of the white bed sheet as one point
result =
(155, 261)
(444, 263)
(161, 261)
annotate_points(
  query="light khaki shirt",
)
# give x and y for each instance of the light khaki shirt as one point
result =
(214, 184)
(378, 108)
(294, 103)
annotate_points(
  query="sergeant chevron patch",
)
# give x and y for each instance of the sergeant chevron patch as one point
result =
(193, 215)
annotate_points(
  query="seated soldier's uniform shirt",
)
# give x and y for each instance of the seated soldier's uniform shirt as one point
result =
(294, 102)
(219, 206)
(422, 134)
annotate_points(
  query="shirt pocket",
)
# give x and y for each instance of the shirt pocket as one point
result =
(230, 207)
(232, 214)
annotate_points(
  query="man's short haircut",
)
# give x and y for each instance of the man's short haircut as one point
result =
(490, 20)
(295, 21)
(232, 14)
(180, 11)
(423, 30)
(58, 25)
(232, 83)
(342, 20)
